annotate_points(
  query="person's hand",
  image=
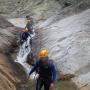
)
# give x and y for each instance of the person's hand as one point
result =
(52, 85)
(25, 30)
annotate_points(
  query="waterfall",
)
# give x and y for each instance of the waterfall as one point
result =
(23, 50)
(22, 54)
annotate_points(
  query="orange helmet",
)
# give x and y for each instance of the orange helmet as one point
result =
(43, 53)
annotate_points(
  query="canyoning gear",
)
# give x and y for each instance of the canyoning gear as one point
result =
(46, 70)
(43, 53)
(47, 73)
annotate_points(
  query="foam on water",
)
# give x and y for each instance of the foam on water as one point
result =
(22, 55)
(23, 51)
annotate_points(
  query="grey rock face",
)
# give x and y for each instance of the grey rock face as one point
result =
(41, 9)
(68, 42)
(66, 32)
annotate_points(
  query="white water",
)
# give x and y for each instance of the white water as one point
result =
(23, 51)
(22, 56)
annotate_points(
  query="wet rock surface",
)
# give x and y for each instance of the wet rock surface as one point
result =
(68, 43)
(65, 33)
(11, 74)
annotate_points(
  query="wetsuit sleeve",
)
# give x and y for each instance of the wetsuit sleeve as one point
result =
(34, 68)
(53, 73)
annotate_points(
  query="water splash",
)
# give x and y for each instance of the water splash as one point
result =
(24, 50)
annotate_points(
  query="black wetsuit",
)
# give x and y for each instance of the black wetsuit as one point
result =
(47, 74)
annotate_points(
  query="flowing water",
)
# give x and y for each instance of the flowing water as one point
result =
(24, 50)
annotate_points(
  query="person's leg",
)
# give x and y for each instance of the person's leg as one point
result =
(30, 39)
(46, 86)
(39, 84)
(31, 42)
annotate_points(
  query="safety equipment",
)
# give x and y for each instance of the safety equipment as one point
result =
(43, 53)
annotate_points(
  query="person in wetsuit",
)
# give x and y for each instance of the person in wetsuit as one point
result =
(46, 70)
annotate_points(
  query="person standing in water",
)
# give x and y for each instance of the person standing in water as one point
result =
(28, 31)
(29, 24)
(46, 70)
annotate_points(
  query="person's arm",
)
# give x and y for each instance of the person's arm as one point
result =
(26, 26)
(34, 68)
(53, 73)
(26, 29)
